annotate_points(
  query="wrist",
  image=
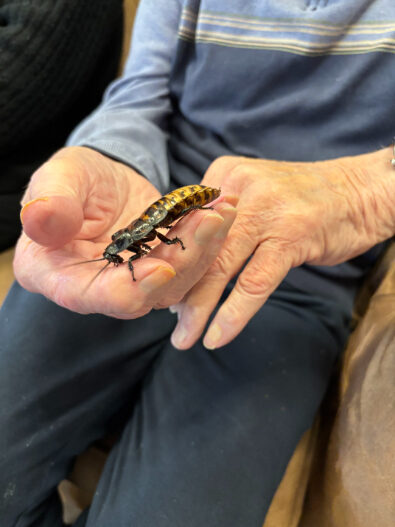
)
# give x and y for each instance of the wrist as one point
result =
(371, 181)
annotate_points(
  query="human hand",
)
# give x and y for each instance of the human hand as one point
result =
(73, 204)
(288, 214)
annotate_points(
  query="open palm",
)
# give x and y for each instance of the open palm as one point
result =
(72, 206)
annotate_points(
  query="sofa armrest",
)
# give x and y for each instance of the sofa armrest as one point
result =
(353, 481)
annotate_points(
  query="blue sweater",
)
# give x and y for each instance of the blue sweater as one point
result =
(282, 79)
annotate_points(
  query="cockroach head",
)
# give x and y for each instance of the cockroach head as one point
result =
(121, 243)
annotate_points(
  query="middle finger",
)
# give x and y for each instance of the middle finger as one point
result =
(203, 241)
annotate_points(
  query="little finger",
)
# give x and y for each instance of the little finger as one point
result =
(261, 276)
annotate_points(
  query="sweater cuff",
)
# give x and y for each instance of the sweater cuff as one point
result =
(129, 156)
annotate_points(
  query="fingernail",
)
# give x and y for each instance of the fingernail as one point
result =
(26, 205)
(207, 228)
(179, 335)
(186, 317)
(212, 336)
(161, 276)
(229, 214)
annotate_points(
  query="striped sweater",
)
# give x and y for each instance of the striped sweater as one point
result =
(282, 79)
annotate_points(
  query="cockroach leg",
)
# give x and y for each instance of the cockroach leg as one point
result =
(130, 265)
(168, 241)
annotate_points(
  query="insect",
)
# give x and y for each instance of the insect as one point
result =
(161, 214)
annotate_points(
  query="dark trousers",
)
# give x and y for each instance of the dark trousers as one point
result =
(206, 436)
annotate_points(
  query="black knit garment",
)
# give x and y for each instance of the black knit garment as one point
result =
(56, 59)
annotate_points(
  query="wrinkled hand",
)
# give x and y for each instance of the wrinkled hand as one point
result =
(288, 214)
(73, 204)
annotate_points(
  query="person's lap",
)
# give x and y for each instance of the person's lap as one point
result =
(63, 377)
(208, 435)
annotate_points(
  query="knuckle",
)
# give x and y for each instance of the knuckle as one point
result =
(248, 227)
(44, 171)
(238, 171)
(222, 162)
(222, 264)
(252, 284)
(241, 174)
(220, 166)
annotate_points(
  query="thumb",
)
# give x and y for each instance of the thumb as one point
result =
(52, 208)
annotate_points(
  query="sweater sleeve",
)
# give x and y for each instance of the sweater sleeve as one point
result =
(131, 123)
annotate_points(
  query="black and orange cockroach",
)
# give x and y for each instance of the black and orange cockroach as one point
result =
(161, 214)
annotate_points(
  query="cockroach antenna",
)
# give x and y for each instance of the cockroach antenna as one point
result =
(85, 262)
(96, 275)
